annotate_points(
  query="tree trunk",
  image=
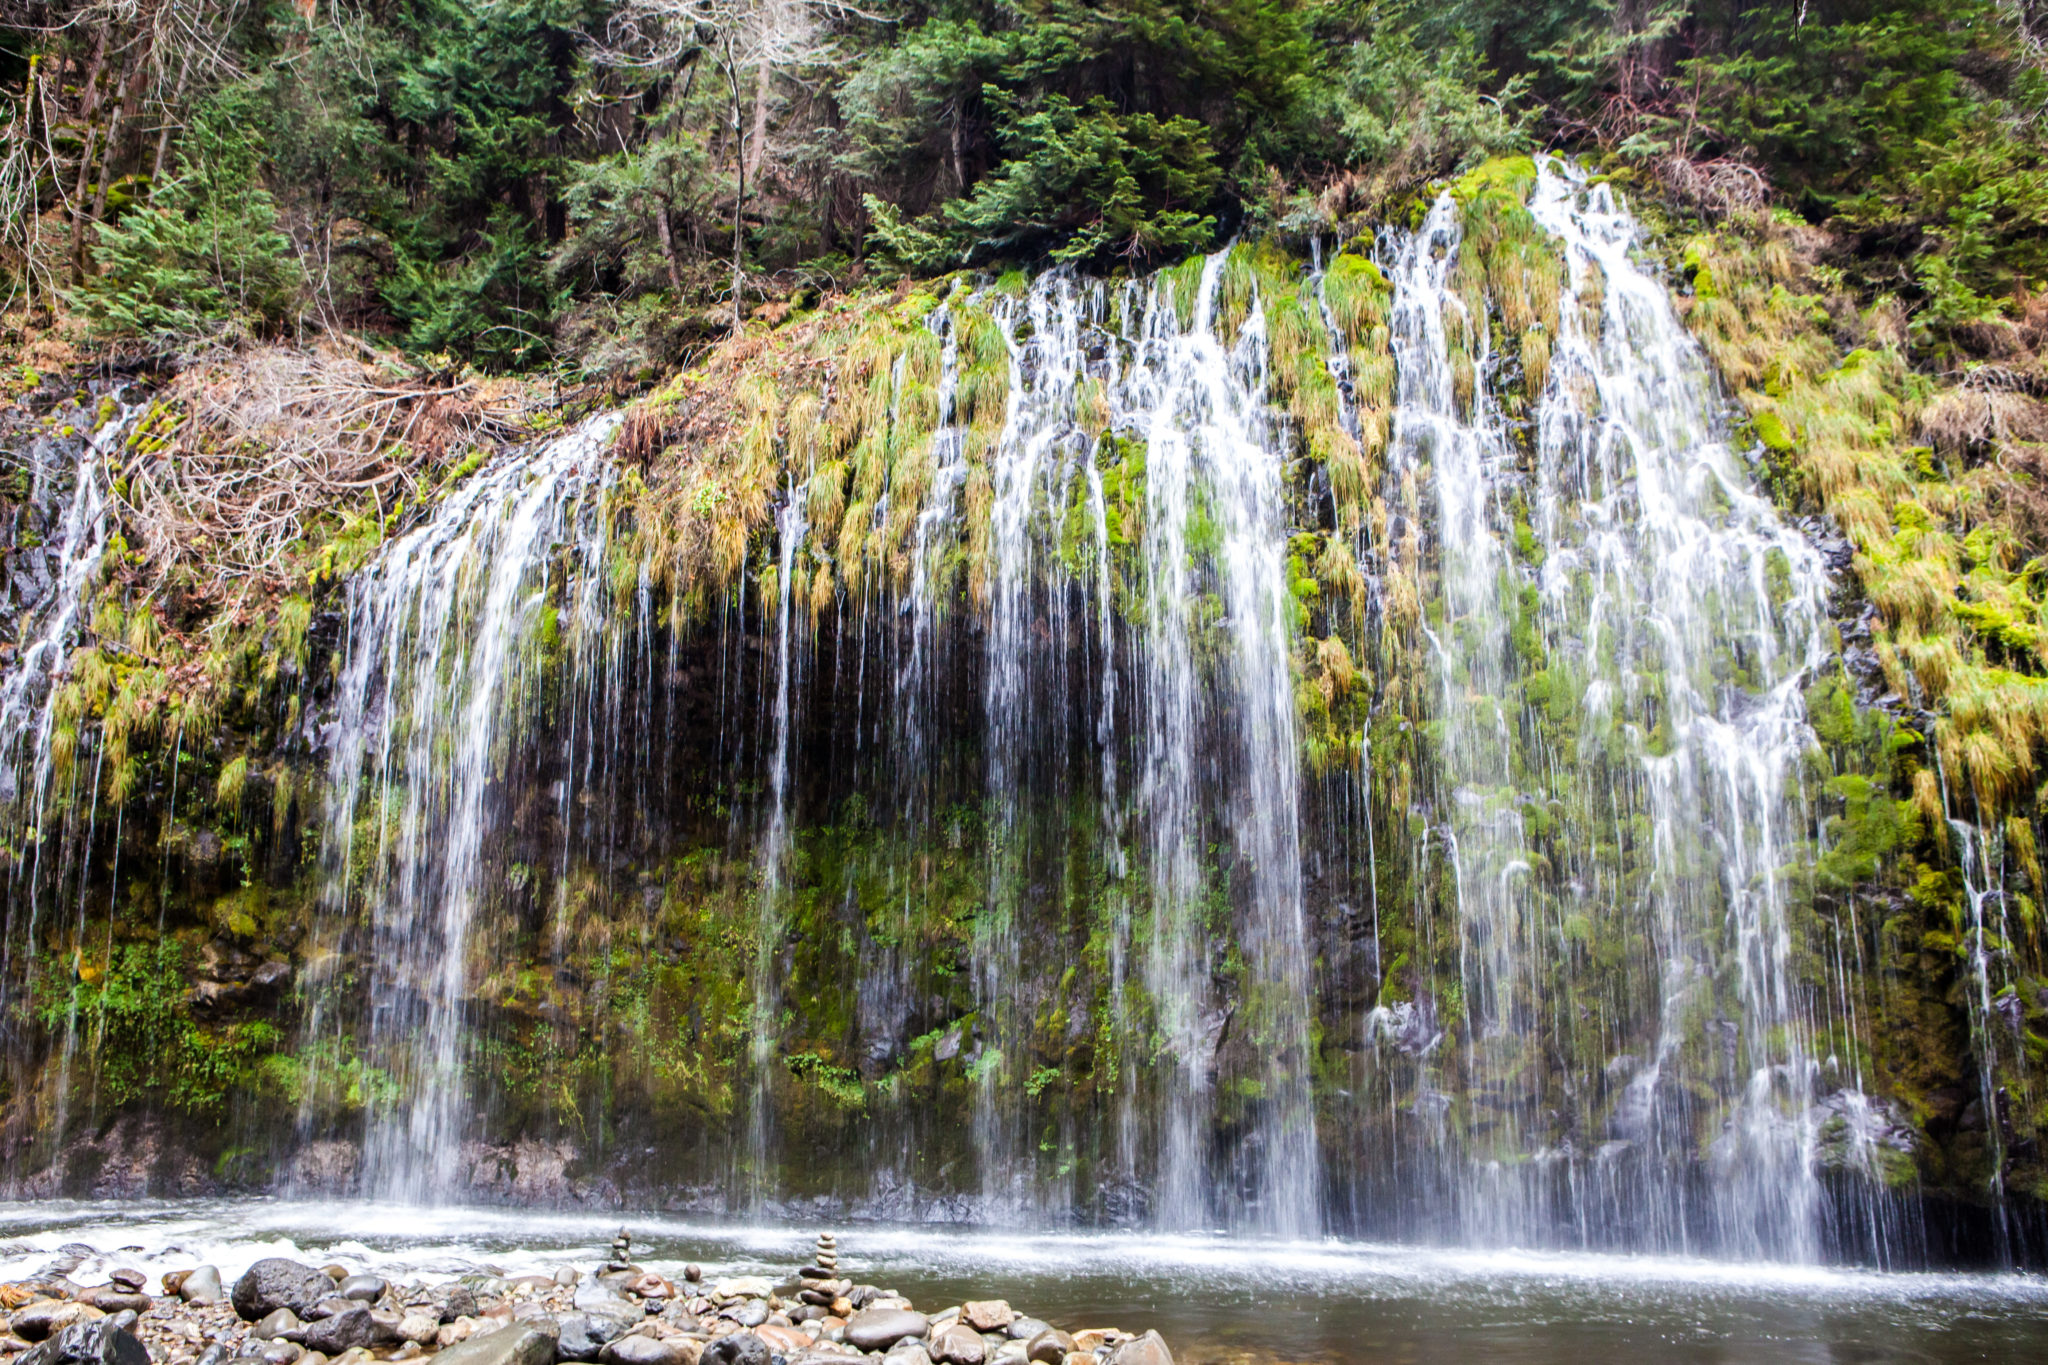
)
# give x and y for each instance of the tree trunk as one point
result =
(762, 90)
(668, 245)
(170, 112)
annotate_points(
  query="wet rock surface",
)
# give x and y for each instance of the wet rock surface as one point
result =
(285, 1312)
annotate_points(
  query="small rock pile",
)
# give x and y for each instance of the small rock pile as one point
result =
(283, 1312)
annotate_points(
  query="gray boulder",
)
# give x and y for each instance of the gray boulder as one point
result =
(343, 1331)
(735, 1348)
(276, 1282)
(522, 1343)
(637, 1349)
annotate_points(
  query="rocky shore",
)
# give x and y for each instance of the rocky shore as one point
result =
(284, 1312)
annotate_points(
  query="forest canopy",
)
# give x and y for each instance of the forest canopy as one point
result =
(599, 186)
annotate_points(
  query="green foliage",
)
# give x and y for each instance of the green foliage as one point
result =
(204, 260)
(1088, 183)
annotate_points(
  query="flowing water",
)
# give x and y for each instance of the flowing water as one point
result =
(446, 635)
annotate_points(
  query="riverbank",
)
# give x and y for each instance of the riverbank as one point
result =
(282, 1311)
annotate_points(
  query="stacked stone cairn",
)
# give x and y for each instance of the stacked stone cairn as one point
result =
(283, 1312)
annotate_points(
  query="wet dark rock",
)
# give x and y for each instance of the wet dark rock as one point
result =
(363, 1288)
(877, 1329)
(737, 1348)
(354, 1326)
(583, 1335)
(1149, 1349)
(123, 1321)
(281, 1353)
(88, 1343)
(283, 1322)
(277, 1282)
(520, 1344)
(461, 1303)
(127, 1280)
(1049, 1347)
(48, 1318)
(693, 1273)
(108, 1299)
(326, 1308)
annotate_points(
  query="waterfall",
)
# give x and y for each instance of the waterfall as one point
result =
(445, 638)
(774, 854)
(1624, 574)
(49, 629)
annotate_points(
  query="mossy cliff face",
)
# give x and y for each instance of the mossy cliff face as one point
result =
(192, 1004)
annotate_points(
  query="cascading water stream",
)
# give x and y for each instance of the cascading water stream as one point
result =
(790, 528)
(1658, 599)
(442, 656)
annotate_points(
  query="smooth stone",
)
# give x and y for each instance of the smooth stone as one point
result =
(736, 1348)
(958, 1345)
(312, 1358)
(567, 1276)
(276, 1282)
(418, 1326)
(782, 1339)
(172, 1279)
(334, 1272)
(524, 1344)
(108, 1299)
(362, 1288)
(599, 1301)
(987, 1315)
(1024, 1329)
(453, 1333)
(743, 1287)
(327, 1308)
(281, 1353)
(49, 1317)
(88, 1343)
(752, 1313)
(634, 1348)
(202, 1286)
(907, 1353)
(877, 1329)
(1149, 1349)
(281, 1323)
(127, 1280)
(1049, 1347)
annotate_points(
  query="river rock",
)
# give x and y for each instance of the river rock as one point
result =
(743, 1287)
(598, 1300)
(172, 1279)
(522, 1344)
(418, 1326)
(736, 1348)
(877, 1329)
(636, 1349)
(49, 1317)
(959, 1345)
(583, 1335)
(907, 1353)
(281, 1353)
(88, 1343)
(1049, 1347)
(108, 1299)
(987, 1315)
(1149, 1349)
(201, 1285)
(461, 1303)
(281, 1323)
(127, 1280)
(362, 1288)
(344, 1331)
(782, 1340)
(751, 1313)
(1024, 1329)
(277, 1282)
